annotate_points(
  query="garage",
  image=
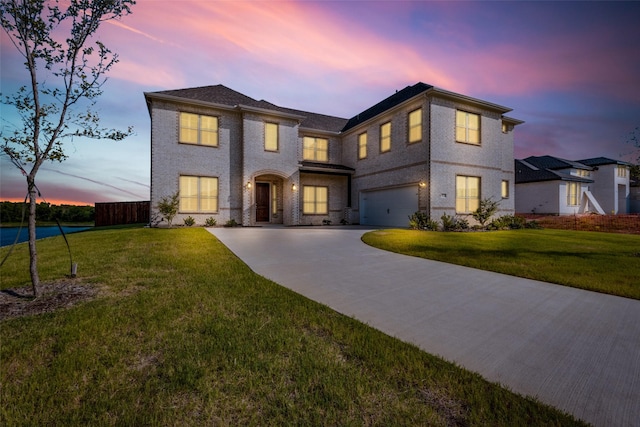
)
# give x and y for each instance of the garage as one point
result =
(389, 207)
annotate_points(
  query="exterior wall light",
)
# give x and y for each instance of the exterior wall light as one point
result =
(249, 185)
(422, 184)
(293, 187)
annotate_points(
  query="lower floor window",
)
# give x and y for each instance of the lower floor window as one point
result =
(315, 200)
(467, 194)
(505, 189)
(198, 194)
(572, 193)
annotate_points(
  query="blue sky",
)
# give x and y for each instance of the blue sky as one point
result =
(569, 69)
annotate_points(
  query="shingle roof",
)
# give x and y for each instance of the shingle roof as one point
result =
(599, 161)
(223, 95)
(550, 162)
(388, 103)
(218, 94)
(545, 168)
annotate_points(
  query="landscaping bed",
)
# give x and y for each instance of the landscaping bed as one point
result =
(628, 224)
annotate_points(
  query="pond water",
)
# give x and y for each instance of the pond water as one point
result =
(8, 234)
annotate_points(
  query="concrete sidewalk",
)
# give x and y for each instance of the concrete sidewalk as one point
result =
(576, 350)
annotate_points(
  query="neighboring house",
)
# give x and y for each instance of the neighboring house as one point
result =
(551, 185)
(235, 158)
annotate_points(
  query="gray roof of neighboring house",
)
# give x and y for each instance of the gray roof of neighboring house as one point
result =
(220, 94)
(538, 169)
(388, 103)
(550, 162)
(599, 161)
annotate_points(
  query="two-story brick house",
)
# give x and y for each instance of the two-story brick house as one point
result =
(422, 148)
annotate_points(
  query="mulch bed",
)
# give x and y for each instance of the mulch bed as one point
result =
(19, 302)
(626, 224)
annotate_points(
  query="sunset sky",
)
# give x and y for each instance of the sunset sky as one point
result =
(570, 70)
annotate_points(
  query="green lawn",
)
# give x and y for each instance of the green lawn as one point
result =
(602, 262)
(183, 333)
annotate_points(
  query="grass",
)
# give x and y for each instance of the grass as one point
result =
(601, 262)
(184, 333)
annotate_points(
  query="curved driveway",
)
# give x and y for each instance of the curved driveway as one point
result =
(576, 350)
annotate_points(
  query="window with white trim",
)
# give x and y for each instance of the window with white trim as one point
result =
(198, 129)
(315, 200)
(198, 194)
(622, 171)
(467, 127)
(467, 193)
(316, 149)
(573, 193)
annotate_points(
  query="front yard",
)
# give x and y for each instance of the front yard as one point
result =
(601, 262)
(181, 332)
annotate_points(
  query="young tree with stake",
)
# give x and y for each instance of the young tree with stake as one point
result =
(65, 79)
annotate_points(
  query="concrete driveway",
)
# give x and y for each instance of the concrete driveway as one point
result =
(576, 350)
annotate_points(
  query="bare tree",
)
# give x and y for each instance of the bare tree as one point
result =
(65, 78)
(634, 139)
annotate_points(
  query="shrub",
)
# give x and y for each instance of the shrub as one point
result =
(507, 222)
(485, 210)
(448, 222)
(453, 223)
(189, 221)
(168, 207)
(231, 223)
(326, 222)
(421, 221)
(210, 222)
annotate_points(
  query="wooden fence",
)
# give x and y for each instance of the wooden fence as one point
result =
(117, 213)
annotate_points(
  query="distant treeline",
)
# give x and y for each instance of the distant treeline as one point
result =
(12, 212)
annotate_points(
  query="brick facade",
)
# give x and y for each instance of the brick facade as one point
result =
(240, 161)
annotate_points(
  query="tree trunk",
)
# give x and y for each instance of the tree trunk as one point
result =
(33, 254)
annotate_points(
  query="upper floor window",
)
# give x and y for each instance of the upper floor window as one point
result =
(573, 193)
(271, 136)
(505, 127)
(467, 193)
(467, 127)
(505, 189)
(385, 137)
(198, 194)
(582, 172)
(315, 149)
(362, 145)
(198, 129)
(415, 126)
(315, 200)
(622, 171)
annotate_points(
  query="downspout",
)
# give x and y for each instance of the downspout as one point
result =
(429, 150)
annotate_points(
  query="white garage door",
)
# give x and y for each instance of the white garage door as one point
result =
(391, 207)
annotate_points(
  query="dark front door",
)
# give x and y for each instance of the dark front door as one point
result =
(262, 202)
